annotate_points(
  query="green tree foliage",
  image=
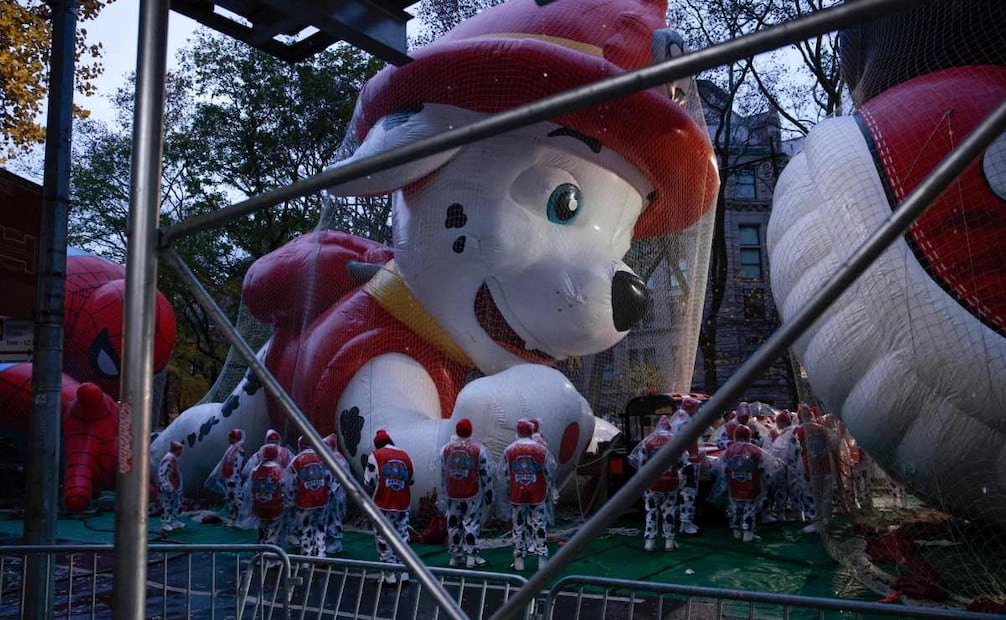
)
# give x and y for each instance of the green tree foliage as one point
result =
(437, 17)
(641, 378)
(237, 123)
(25, 47)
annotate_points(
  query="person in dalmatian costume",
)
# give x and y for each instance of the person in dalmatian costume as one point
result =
(507, 254)
(306, 486)
(265, 498)
(283, 458)
(466, 494)
(785, 492)
(526, 472)
(169, 489)
(389, 477)
(742, 417)
(661, 498)
(335, 512)
(745, 467)
(228, 477)
(690, 473)
(818, 475)
(283, 454)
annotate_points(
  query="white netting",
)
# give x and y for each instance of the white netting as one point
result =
(913, 357)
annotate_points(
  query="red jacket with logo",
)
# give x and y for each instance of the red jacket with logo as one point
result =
(461, 465)
(669, 480)
(742, 464)
(526, 469)
(267, 491)
(394, 477)
(311, 481)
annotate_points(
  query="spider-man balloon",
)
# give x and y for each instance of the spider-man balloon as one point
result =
(92, 349)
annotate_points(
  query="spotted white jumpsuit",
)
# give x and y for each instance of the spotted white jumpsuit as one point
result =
(660, 499)
(465, 493)
(169, 492)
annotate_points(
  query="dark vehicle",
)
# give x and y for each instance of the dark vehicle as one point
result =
(638, 420)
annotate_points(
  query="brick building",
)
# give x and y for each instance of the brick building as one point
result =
(657, 347)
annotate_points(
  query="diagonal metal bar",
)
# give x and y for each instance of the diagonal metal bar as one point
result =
(841, 16)
(906, 213)
(353, 488)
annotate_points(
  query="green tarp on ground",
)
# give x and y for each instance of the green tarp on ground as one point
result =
(785, 561)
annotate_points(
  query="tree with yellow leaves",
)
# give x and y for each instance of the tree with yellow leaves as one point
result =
(25, 47)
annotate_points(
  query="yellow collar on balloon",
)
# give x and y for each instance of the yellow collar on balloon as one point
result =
(394, 296)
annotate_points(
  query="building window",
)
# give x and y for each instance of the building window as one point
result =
(608, 371)
(682, 269)
(744, 185)
(650, 356)
(749, 236)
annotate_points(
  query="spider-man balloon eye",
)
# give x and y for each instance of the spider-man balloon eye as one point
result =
(103, 357)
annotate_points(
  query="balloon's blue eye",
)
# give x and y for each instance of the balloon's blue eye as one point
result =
(564, 204)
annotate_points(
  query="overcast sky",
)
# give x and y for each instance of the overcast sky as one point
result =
(116, 29)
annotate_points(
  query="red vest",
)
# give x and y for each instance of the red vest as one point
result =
(461, 464)
(668, 481)
(816, 454)
(741, 463)
(309, 472)
(394, 477)
(231, 457)
(526, 461)
(173, 475)
(267, 491)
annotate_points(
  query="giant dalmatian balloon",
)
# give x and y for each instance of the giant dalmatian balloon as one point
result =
(507, 253)
(913, 358)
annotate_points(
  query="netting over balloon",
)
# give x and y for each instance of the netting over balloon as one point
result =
(504, 258)
(913, 357)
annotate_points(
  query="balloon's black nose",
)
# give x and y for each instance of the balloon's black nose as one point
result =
(629, 300)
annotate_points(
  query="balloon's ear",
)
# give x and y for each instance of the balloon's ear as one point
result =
(397, 130)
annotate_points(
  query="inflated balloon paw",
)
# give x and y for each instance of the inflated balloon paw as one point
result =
(507, 256)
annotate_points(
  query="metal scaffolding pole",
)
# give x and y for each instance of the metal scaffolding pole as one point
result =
(42, 494)
(573, 100)
(902, 217)
(293, 412)
(130, 567)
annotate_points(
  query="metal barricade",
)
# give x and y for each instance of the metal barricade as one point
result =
(183, 581)
(340, 588)
(596, 597)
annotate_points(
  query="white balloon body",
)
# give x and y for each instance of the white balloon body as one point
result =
(918, 380)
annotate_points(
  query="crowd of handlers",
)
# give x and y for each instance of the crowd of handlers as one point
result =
(777, 466)
(294, 499)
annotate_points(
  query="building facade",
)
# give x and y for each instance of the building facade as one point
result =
(649, 358)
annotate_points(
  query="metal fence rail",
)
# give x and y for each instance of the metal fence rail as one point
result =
(183, 581)
(597, 597)
(339, 588)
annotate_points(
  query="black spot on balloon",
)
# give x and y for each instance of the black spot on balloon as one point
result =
(207, 426)
(459, 244)
(191, 438)
(351, 425)
(456, 217)
(230, 405)
(401, 117)
(252, 384)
